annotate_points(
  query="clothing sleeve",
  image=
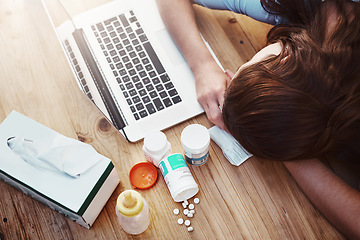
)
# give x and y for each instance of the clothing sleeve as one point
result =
(251, 8)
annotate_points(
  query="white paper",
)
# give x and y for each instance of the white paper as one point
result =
(231, 148)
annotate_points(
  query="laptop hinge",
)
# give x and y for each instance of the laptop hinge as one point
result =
(98, 80)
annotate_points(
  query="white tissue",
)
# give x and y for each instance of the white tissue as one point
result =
(56, 153)
(231, 148)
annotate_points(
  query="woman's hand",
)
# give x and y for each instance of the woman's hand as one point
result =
(211, 83)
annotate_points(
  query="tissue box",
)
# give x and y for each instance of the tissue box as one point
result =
(79, 198)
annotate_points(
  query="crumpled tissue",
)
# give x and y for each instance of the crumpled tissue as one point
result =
(56, 153)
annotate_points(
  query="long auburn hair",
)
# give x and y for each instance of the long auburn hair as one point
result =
(305, 102)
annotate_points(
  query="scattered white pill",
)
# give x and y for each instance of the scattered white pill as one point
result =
(187, 212)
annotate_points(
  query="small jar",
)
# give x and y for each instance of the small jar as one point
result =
(156, 147)
(133, 212)
(195, 140)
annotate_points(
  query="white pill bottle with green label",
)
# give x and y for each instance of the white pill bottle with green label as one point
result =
(178, 177)
(133, 212)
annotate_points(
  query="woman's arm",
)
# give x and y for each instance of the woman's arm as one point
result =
(211, 81)
(339, 202)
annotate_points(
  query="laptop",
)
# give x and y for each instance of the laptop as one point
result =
(125, 61)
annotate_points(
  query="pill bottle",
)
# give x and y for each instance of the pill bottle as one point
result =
(132, 212)
(156, 147)
(195, 140)
(178, 177)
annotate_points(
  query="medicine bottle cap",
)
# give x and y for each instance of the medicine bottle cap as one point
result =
(129, 203)
(155, 142)
(195, 138)
(143, 175)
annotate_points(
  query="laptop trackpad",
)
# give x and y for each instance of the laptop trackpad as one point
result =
(170, 47)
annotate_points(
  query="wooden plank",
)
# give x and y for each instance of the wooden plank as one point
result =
(258, 200)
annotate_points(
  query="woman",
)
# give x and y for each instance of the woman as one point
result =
(298, 98)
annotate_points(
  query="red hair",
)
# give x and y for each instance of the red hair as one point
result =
(305, 102)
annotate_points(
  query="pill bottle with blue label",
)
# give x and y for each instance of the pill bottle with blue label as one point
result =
(195, 140)
(178, 177)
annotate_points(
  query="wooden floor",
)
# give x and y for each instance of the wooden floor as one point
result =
(257, 200)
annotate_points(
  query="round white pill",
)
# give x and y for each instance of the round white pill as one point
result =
(196, 200)
(190, 229)
(176, 211)
(186, 212)
(192, 211)
(190, 215)
(187, 222)
(186, 202)
(184, 205)
(180, 221)
(191, 206)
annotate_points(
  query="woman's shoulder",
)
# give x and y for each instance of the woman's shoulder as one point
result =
(251, 8)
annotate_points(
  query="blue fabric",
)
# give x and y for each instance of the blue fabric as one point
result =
(251, 8)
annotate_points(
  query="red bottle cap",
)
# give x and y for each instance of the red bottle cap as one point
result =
(143, 175)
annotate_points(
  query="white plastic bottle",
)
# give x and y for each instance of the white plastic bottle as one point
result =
(156, 147)
(133, 212)
(178, 177)
(195, 139)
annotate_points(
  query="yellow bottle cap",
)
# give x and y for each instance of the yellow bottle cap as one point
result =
(129, 203)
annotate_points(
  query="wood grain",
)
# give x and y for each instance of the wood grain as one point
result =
(258, 200)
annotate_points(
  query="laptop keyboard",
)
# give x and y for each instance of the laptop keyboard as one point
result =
(78, 71)
(141, 77)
